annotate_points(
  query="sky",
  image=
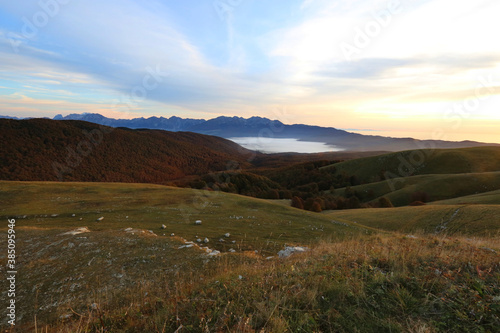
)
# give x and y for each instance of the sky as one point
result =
(425, 69)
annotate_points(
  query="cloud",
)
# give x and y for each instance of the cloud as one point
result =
(263, 55)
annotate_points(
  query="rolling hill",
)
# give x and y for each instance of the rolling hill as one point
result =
(403, 191)
(421, 162)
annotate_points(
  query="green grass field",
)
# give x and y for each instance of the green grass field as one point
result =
(422, 162)
(487, 198)
(361, 273)
(483, 220)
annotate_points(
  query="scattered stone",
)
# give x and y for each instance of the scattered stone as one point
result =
(101, 218)
(198, 222)
(206, 240)
(411, 236)
(269, 258)
(73, 215)
(232, 250)
(227, 235)
(488, 249)
(94, 306)
(172, 234)
(81, 218)
(240, 277)
(126, 217)
(199, 240)
(233, 242)
(163, 226)
(140, 232)
(54, 215)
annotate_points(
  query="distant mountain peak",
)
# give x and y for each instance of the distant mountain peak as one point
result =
(233, 127)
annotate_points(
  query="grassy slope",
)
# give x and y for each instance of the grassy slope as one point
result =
(447, 219)
(421, 162)
(487, 198)
(83, 267)
(263, 224)
(113, 281)
(438, 187)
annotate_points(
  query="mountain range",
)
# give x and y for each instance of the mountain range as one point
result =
(237, 127)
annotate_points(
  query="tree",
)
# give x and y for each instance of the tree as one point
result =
(297, 202)
(316, 207)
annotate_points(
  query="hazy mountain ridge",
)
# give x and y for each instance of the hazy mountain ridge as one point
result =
(229, 127)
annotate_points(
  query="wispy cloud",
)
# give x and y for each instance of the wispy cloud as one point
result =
(429, 53)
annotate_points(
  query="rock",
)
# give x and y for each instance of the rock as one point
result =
(199, 240)
(163, 226)
(232, 250)
(227, 235)
(73, 215)
(94, 306)
(289, 250)
(172, 234)
(101, 218)
(54, 215)
(81, 218)
(77, 231)
(213, 253)
(66, 316)
(197, 222)
(206, 240)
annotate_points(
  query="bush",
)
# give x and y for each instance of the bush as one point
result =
(297, 202)
(385, 203)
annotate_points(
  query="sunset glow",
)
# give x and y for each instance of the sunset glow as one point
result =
(392, 68)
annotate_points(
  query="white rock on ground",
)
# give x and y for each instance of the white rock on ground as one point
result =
(227, 235)
(206, 240)
(77, 231)
(289, 250)
(197, 222)
(163, 226)
(101, 218)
